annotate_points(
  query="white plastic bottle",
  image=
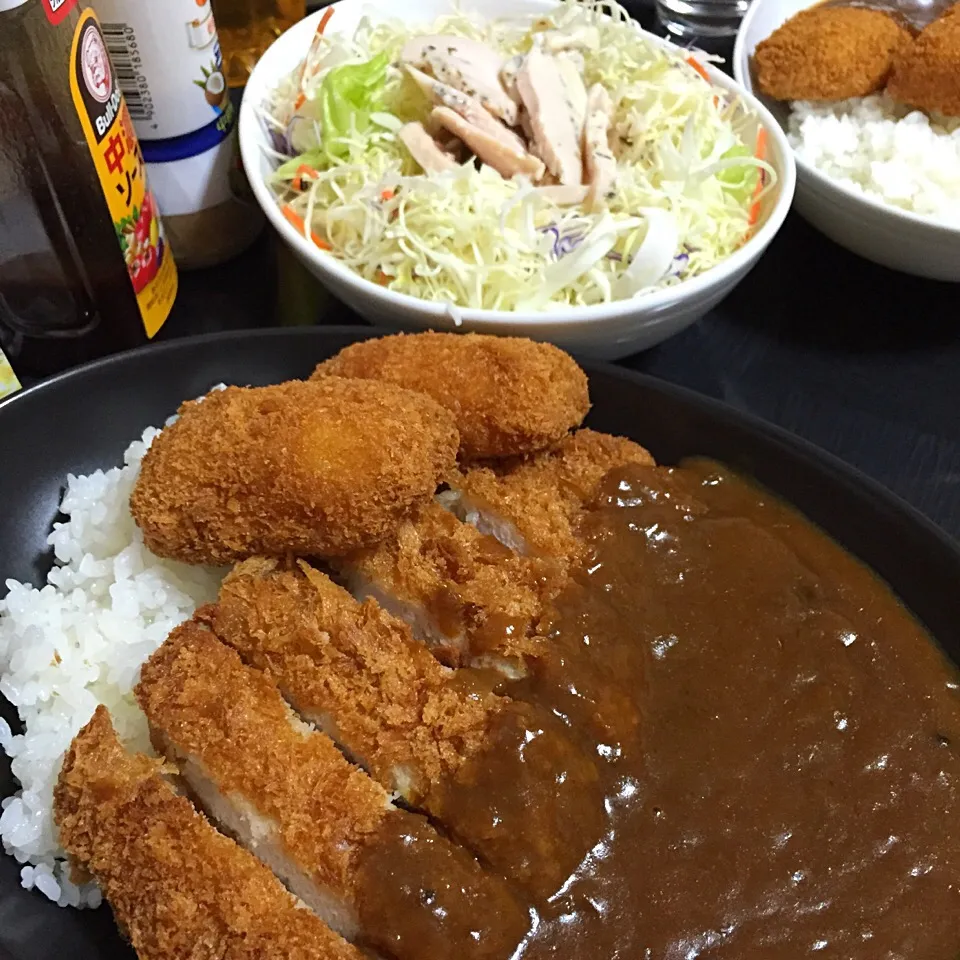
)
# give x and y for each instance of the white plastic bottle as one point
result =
(167, 58)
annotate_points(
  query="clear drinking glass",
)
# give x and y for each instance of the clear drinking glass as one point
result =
(692, 19)
(247, 27)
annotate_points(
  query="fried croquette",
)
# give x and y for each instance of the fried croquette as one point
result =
(926, 75)
(434, 736)
(829, 53)
(509, 395)
(306, 468)
(324, 826)
(533, 504)
(178, 889)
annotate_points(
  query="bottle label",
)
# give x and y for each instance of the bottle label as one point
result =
(57, 10)
(8, 379)
(169, 65)
(117, 156)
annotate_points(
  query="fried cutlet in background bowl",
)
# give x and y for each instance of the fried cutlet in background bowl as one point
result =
(862, 101)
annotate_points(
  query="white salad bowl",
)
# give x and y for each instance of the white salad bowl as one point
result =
(866, 226)
(605, 331)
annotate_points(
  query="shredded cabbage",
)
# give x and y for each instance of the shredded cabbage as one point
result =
(687, 176)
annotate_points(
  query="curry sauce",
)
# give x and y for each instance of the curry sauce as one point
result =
(777, 739)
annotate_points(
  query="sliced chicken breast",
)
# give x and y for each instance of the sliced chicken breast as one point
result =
(574, 89)
(468, 65)
(469, 108)
(425, 150)
(466, 118)
(375, 873)
(177, 887)
(506, 160)
(600, 165)
(498, 774)
(508, 77)
(553, 118)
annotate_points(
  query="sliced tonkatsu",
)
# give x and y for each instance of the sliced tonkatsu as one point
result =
(533, 504)
(503, 777)
(469, 598)
(379, 875)
(179, 890)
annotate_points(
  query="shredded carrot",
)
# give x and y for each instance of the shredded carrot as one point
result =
(698, 66)
(321, 26)
(387, 195)
(304, 170)
(324, 20)
(297, 221)
(761, 154)
(300, 101)
(382, 278)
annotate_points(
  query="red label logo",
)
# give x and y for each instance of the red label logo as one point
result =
(57, 10)
(95, 65)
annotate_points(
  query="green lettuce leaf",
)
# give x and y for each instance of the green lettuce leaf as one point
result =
(742, 180)
(351, 91)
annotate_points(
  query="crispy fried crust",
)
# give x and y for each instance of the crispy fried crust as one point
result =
(505, 799)
(509, 395)
(412, 892)
(391, 703)
(313, 468)
(543, 496)
(199, 696)
(177, 887)
(487, 600)
(926, 74)
(829, 53)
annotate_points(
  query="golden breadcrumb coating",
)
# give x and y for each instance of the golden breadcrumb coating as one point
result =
(179, 889)
(926, 74)
(198, 695)
(829, 53)
(464, 755)
(509, 395)
(483, 601)
(309, 468)
(543, 496)
(409, 720)
(412, 893)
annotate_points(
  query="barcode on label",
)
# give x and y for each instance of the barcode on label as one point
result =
(121, 41)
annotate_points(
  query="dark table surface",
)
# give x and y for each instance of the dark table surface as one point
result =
(863, 361)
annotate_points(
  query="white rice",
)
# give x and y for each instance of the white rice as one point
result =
(885, 151)
(80, 641)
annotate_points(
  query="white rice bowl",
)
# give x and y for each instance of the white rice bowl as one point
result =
(885, 151)
(78, 642)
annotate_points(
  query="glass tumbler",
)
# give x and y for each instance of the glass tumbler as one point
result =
(692, 19)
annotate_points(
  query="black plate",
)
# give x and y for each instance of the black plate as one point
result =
(86, 418)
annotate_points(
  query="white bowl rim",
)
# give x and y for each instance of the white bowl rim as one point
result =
(741, 73)
(250, 134)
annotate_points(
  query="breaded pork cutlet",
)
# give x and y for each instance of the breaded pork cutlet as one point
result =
(509, 395)
(379, 875)
(926, 75)
(829, 53)
(533, 504)
(427, 733)
(308, 468)
(179, 890)
(469, 598)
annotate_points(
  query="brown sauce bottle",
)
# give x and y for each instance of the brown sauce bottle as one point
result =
(84, 265)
